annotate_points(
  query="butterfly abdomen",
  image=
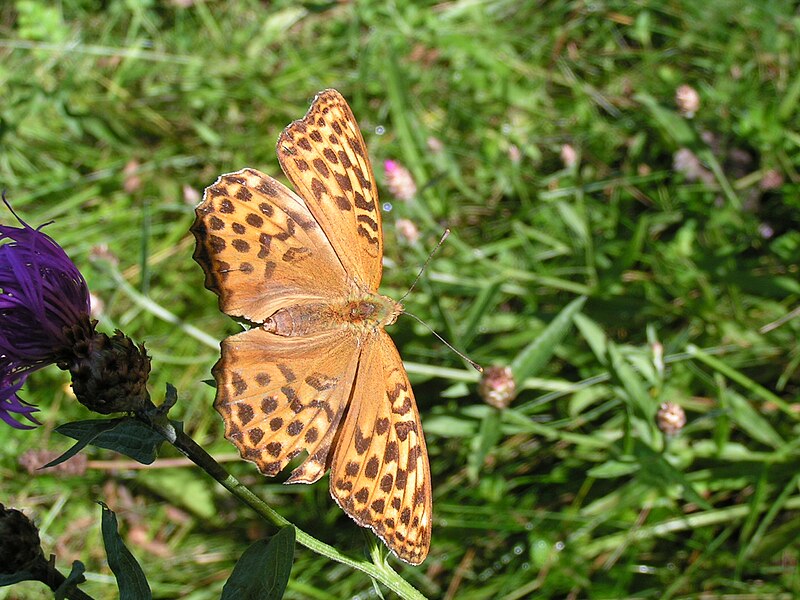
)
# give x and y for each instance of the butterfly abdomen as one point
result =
(300, 320)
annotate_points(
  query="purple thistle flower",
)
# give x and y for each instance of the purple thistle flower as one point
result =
(44, 303)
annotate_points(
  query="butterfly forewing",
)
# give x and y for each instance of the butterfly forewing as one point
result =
(325, 157)
(261, 248)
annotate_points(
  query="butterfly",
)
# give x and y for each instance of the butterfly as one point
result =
(316, 372)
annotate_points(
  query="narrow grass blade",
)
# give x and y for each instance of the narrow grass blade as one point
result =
(536, 354)
(742, 380)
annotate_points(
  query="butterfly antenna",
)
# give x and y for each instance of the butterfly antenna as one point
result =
(475, 365)
(425, 264)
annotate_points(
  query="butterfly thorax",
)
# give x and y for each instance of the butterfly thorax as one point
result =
(364, 312)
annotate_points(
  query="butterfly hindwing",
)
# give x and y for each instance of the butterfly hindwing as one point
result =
(325, 157)
(380, 473)
(280, 396)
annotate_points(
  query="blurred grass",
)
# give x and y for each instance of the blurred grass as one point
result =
(116, 115)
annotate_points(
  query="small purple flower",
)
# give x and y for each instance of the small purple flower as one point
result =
(44, 303)
(399, 180)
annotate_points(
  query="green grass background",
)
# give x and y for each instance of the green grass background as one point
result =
(116, 114)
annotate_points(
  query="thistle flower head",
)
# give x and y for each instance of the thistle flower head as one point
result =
(43, 297)
(45, 319)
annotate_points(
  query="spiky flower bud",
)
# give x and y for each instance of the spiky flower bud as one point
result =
(109, 374)
(20, 549)
(497, 386)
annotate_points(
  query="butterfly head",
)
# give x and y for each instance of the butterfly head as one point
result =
(372, 310)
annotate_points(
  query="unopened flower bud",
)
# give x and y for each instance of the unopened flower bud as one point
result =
(132, 181)
(688, 100)
(20, 548)
(569, 156)
(407, 230)
(685, 161)
(109, 374)
(497, 386)
(671, 418)
(435, 145)
(771, 180)
(190, 195)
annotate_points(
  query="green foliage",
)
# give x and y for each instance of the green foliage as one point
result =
(263, 570)
(130, 577)
(124, 435)
(681, 233)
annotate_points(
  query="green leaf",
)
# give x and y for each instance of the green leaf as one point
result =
(125, 435)
(613, 469)
(635, 393)
(488, 436)
(657, 472)
(184, 487)
(170, 399)
(751, 421)
(130, 577)
(262, 572)
(85, 432)
(594, 336)
(535, 355)
(778, 540)
(483, 304)
(672, 124)
(449, 425)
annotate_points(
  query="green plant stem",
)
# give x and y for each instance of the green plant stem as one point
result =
(49, 575)
(383, 573)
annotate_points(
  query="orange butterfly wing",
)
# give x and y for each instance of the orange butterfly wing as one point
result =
(324, 156)
(280, 396)
(261, 248)
(380, 474)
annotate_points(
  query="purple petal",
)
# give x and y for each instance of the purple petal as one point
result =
(11, 403)
(41, 293)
